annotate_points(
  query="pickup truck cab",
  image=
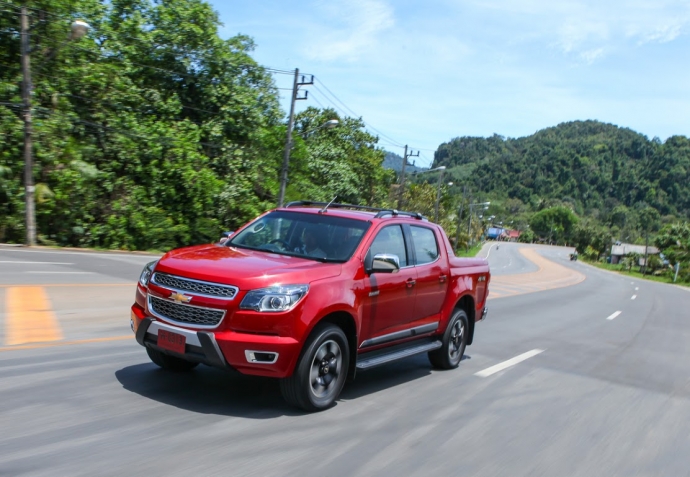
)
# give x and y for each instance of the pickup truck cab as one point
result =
(312, 293)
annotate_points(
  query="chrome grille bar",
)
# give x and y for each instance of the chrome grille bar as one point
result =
(196, 316)
(197, 287)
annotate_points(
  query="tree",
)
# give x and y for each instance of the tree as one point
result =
(674, 242)
(554, 224)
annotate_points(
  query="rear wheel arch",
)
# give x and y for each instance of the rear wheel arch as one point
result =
(467, 303)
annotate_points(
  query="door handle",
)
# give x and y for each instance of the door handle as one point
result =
(442, 278)
(410, 282)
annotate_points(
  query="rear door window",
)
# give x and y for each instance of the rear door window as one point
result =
(424, 243)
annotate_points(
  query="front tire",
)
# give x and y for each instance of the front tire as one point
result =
(449, 355)
(170, 363)
(321, 370)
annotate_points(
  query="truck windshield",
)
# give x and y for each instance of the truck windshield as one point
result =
(318, 237)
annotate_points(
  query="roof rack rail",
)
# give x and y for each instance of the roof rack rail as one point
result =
(379, 212)
(393, 212)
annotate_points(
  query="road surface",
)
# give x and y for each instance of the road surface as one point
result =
(575, 372)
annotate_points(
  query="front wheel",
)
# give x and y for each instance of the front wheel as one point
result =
(448, 356)
(170, 363)
(321, 370)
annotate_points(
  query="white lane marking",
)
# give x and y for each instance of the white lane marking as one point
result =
(35, 263)
(632, 283)
(507, 364)
(614, 315)
(63, 273)
(637, 288)
(633, 297)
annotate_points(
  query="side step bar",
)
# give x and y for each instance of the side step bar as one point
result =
(379, 358)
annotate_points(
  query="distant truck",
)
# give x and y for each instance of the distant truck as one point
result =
(312, 293)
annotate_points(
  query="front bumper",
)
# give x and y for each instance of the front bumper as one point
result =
(259, 355)
(200, 347)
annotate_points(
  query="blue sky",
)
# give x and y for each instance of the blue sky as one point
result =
(422, 73)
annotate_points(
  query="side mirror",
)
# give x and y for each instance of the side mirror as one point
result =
(385, 263)
(225, 236)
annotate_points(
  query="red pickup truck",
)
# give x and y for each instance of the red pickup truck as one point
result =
(311, 293)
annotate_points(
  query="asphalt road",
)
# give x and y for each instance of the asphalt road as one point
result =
(591, 378)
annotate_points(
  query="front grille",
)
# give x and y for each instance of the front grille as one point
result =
(194, 286)
(192, 315)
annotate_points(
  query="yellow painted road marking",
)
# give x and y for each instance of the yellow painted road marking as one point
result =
(29, 317)
(548, 276)
(68, 343)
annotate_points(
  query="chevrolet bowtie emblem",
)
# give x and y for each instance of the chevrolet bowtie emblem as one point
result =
(180, 297)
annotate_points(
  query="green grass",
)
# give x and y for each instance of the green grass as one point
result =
(472, 252)
(634, 273)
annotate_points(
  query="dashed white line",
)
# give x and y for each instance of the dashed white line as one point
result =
(17, 262)
(637, 288)
(614, 315)
(633, 297)
(507, 364)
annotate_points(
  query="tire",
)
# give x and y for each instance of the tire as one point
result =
(170, 363)
(449, 355)
(320, 372)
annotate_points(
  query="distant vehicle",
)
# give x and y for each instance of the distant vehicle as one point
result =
(573, 256)
(310, 294)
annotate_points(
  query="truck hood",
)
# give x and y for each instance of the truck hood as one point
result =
(246, 269)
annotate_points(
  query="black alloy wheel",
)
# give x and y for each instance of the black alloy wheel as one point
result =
(449, 355)
(321, 370)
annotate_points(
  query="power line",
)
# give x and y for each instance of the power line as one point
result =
(337, 99)
(335, 105)
(359, 116)
(317, 100)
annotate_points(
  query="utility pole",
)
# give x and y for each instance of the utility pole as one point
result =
(462, 204)
(29, 187)
(438, 194)
(402, 175)
(646, 249)
(288, 140)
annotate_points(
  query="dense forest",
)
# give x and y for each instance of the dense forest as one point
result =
(599, 169)
(153, 132)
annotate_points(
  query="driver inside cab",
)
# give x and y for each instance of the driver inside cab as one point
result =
(310, 244)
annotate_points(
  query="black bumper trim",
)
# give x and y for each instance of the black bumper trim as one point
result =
(209, 353)
(142, 330)
(213, 354)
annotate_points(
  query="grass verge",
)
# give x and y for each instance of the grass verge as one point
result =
(635, 273)
(472, 252)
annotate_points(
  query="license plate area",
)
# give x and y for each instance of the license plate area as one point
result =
(171, 341)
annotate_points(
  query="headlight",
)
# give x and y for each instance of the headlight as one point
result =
(146, 273)
(274, 299)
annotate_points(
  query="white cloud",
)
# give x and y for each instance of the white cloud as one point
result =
(353, 26)
(581, 28)
(590, 56)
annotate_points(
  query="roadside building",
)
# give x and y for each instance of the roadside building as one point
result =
(511, 235)
(620, 250)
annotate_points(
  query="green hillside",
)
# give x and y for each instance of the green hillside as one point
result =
(600, 171)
